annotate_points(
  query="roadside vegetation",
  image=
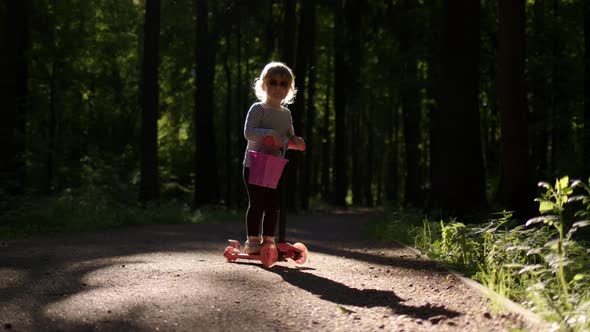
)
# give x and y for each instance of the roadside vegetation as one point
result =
(542, 263)
(102, 201)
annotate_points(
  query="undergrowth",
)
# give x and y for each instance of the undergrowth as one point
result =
(102, 201)
(71, 212)
(542, 264)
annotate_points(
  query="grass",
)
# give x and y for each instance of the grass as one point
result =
(542, 264)
(90, 210)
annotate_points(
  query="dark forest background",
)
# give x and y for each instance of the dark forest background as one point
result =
(452, 106)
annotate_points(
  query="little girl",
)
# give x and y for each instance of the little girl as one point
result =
(268, 129)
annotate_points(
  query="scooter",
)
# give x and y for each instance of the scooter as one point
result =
(271, 253)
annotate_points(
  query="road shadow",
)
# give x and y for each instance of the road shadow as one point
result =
(410, 261)
(48, 269)
(341, 294)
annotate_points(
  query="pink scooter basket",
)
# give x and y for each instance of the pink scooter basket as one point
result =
(265, 170)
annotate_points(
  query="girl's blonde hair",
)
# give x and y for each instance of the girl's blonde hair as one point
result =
(275, 70)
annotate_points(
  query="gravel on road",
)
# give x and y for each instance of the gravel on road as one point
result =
(175, 278)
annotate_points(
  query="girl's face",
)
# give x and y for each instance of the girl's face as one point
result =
(277, 87)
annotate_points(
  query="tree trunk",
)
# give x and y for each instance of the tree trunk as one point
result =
(150, 182)
(326, 141)
(516, 183)
(287, 44)
(306, 23)
(229, 142)
(269, 29)
(13, 93)
(353, 105)
(372, 165)
(434, 47)
(586, 140)
(539, 92)
(51, 138)
(457, 165)
(308, 184)
(391, 176)
(341, 77)
(411, 109)
(206, 180)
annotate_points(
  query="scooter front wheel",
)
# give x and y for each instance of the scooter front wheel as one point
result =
(269, 255)
(231, 254)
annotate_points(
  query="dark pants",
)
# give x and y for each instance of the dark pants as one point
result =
(262, 203)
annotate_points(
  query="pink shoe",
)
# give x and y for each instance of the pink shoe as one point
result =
(268, 239)
(252, 245)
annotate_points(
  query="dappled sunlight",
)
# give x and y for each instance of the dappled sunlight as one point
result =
(104, 302)
(150, 287)
(163, 278)
(105, 287)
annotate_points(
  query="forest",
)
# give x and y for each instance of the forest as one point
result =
(452, 106)
(119, 112)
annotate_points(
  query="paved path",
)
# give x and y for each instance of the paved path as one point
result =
(174, 278)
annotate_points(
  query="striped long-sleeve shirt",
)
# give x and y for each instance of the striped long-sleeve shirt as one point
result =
(263, 120)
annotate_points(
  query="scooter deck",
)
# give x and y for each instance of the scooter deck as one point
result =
(284, 250)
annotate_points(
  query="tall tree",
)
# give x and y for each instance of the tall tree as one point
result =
(305, 49)
(515, 182)
(13, 92)
(340, 163)
(457, 164)
(269, 28)
(324, 133)
(150, 180)
(434, 46)
(229, 112)
(287, 43)
(586, 140)
(287, 49)
(354, 108)
(539, 91)
(410, 90)
(206, 177)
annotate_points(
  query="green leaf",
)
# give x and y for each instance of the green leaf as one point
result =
(579, 277)
(546, 206)
(564, 182)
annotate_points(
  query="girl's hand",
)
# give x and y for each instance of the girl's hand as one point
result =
(271, 141)
(268, 141)
(297, 143)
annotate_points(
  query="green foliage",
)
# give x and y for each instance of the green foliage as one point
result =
(76, 211)
(543, 264)
(393, 225)
(105, 199)
(563, 284)
(84, 86)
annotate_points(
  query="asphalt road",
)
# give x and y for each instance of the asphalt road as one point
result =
(175, 278)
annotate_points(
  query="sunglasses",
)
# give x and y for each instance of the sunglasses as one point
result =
(275, 83)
